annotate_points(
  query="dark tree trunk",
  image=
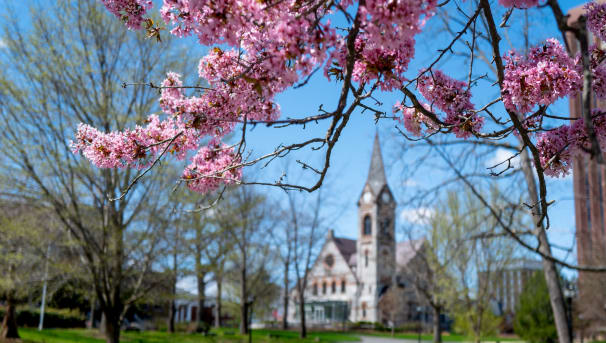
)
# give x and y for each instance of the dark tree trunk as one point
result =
(243, 302)
(437, 330)
(218, 303)
(303, 332)
(285, 299)
(112, 326)
(201, 299)
(9, 324)
(171, 316)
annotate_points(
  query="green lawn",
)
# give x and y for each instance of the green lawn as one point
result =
(30, 335)
(445, 337)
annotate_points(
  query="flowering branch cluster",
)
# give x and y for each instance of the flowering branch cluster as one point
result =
(263, 47)
(452, 97)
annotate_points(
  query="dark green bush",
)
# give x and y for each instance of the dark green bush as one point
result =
(53, 318)
(534, 317)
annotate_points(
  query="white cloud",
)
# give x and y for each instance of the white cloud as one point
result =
(2, 44)
(416, 215)
(409, 183)
(501, 156)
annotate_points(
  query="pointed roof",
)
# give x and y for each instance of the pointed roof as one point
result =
(376, 173)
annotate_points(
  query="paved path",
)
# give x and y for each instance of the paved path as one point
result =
(381, 339)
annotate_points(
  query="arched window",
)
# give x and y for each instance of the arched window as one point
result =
(343, 286)
(315, 289)
(367, 225)
(366, 258)
(324, 287)
(363, 310)
(334, 287)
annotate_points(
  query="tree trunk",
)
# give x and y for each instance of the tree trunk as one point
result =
(201, 299)
(437, 330)
(9, 324)
(112, 326)
(243, 302)
(549, 268)
(285, 299)
(218, 303)
(171, 316)
(303, 333)
(91, 322)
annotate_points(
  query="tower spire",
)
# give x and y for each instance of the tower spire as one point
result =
(376, 173)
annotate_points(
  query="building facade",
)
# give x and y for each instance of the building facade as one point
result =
(589, 184)
(350, 278)
(506, 285)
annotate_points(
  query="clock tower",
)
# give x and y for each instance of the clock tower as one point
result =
(376, 245)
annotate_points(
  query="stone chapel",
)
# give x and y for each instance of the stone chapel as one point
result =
(350, 279)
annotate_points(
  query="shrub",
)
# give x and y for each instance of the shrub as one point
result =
(534, 317)
(53, 318)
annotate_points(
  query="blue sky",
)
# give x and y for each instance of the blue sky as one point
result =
(350, 160)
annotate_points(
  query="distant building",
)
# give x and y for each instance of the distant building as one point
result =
(589, 183)
(350, 278)
(506, 285)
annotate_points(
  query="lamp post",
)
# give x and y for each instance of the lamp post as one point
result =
(419, 311)
(569, 294)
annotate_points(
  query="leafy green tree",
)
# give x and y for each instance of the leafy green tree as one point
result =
(534, 320)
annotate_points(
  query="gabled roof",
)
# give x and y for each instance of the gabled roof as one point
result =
(376, 173)
(347, 247)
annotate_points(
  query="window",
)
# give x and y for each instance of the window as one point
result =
(385, 226)
(315, 289)
(366, 258)
(323, 287)
(363, 310)
(329, 260)
(367, 225)
(334, 287)
(343, 286)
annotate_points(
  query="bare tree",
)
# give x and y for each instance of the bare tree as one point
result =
(243, 218)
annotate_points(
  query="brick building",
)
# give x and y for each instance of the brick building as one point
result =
(589, 183)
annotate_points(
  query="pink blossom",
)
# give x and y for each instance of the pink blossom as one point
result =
(546, 74)
(129, 11)
(212, 166)
(553, 151)
(413, 120)
(519, 3)
(452, 97)
(596, 19)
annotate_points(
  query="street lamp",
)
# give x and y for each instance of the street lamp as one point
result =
(569, 294)
(419, 311)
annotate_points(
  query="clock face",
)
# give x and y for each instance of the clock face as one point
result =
(385, 197)
(367, 197)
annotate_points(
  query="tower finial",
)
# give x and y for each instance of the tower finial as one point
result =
(376, 173)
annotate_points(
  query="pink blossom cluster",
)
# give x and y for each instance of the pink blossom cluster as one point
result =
(598, 70)
(546, 74)
(212, 166)
(136, 147)
(557, 147)
(596, 19)
(519, 3)
(132, 12)
(414, 120)
(386, 41)
(452, 97)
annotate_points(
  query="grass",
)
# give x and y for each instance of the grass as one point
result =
(446, 337)
(30, 335)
